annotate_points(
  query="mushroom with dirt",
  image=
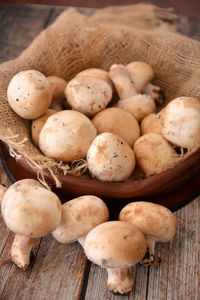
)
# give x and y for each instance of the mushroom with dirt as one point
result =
(67, 136)
(138, 105)
(141, 75)
(29, 94)
(96, 73)
(30, 211)
(58, 86)
(116, 246)
(79, 216)
(180, 122)
(157, 223)
(151, 123)
(119, 122)
(110, 158)
(88, 94)
(154, 154)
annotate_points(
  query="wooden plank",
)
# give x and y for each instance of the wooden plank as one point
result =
(18, 27)
(97, 288)
(57, 270)
(178, 275)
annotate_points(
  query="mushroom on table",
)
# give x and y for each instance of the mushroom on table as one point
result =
(116, 246)
(30, 211)
(79, 216)
(157, 223)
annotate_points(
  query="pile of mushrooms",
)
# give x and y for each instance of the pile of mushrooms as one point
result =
(109, 119)
(30, 211)
(113, 120)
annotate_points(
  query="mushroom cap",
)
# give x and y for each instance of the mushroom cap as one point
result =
(119, 122)
(180, 122)
(141, 74)
(29, 209)
(110, 158)
(67, 135)
(154, 154)
(88, 94)
(151, 123)
(154, 220)
(58, 86)
(29, 94)
(115, 244)
(98, 73)
(139, 106)
(79, 216)
(37, 125)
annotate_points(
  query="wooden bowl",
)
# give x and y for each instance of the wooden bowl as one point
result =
(172, 188)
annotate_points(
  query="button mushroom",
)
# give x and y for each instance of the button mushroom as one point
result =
(29, 94)
(67, 136)
(180, 122)
(141, 75)
(88, 94)
(58, 86)
(97, 73)
(138, 105)
(79, 216)
(119, 122)
(157, 223)
(116, 246)
(30, 211)
(151, 123)
(154, 154)
(110, 158)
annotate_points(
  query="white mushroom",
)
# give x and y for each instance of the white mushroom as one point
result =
(154, 154)
(116, 246)
(30, 211)
(97, 73)
(141, 75)
(157, 223)
(180, 122)
(88, 94)
(58, 86)
(120, 76)
(151, 123)
(137, 104)
(119, 122)
(38, 124)
(67, 136)
(110, 158)
(79, 216)
(29, 94)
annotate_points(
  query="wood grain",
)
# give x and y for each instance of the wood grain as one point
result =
(60, 271)
(57, 270)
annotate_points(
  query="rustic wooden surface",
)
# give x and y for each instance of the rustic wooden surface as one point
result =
(61, 271)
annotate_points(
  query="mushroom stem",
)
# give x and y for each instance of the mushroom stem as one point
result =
(21, 249)
(120, 280)
(150, 254)
(3, 189)
(122, 81)
(155, 92)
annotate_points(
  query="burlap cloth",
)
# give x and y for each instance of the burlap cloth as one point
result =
(111, 35)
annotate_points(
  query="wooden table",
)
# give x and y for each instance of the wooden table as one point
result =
(61, 271)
